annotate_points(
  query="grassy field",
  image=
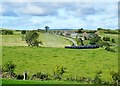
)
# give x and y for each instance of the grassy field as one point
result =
(114, 36)
(78, 62)
(48, 40)
(8, 81)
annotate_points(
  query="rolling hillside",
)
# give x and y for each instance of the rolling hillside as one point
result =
(48, 40)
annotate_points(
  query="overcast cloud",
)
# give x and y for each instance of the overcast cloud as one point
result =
(59, 15)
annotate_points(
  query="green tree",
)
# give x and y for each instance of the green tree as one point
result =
(31, 38)
(80, 30)
(94, 39)
(23, 32)
(47, 28)
(113, 40)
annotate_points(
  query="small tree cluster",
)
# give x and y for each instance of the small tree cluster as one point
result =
(7, 32)
(106, 38)
(80, 30)
(31, 38)
(23, 32)
(94, 39)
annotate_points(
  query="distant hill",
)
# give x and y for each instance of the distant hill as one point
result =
(61, 29)
(5, 29)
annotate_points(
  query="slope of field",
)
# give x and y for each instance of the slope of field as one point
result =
(114, 36)
(48, 40)
(12, 40)
(78, 62)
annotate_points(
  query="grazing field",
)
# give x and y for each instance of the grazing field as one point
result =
(48, 40)
(78, 62)
(7, 81)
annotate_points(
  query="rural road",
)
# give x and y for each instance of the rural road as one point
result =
(73, 41)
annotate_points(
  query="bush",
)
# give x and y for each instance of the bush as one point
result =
(40, 76)
(8, 75)
(20, 76)
(113, 40)
(94, 39)
(58, 72)
(111, 32)
(97, 79)
(103, 43)
(7, 32)
(115, 77)
(23, 32)
(106, 38)
(9, 67)
(109, 49)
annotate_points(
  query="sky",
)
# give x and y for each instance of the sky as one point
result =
(58, 15)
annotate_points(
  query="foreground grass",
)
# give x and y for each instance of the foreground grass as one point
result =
(78, 62)
(8, 81)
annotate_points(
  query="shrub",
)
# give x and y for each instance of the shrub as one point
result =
(20, 76)
(23, 32)
(8, 75)
(40, 75)
(58, 72)
(111, 32)
(113, 40)
(115, 77)
(109, 49)
(94, 39)
(9, 67)
(97, 79)
(106, 38)
(103, 43)
(7, 32)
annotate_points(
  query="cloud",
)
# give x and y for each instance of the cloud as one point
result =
(89, 15)
(60, 1)
(31, 10)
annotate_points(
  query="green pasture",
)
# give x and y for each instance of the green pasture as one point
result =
(48, 40)
(8, 81)
(78, 62)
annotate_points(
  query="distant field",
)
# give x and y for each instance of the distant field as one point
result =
(115, 36)
(12, 40)
(48, 40)
(78, 62)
